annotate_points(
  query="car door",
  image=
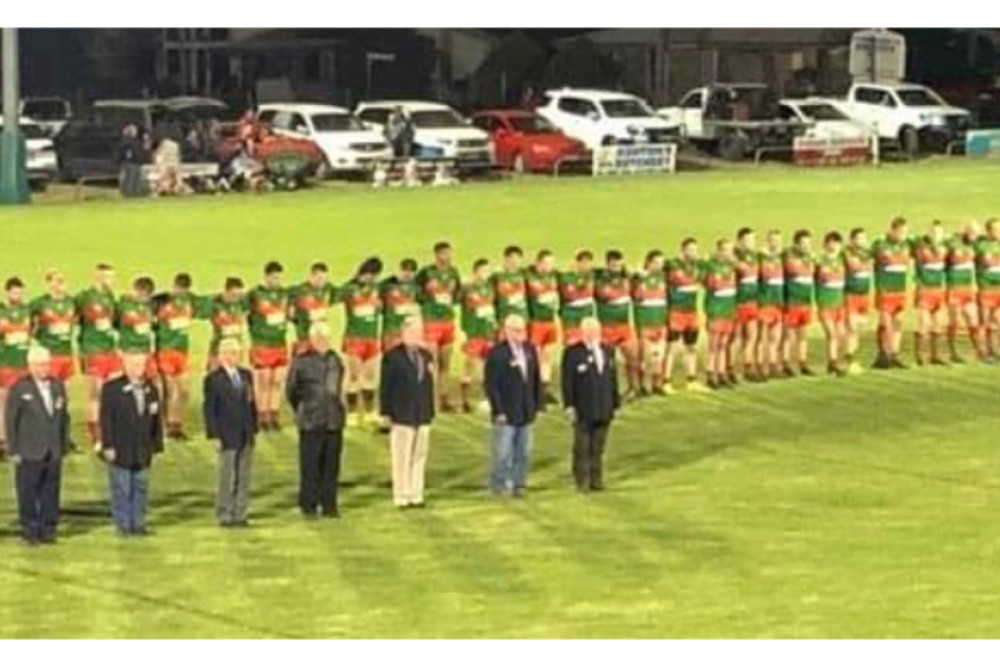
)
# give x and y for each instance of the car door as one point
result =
(505, 140)
(580, 119)
(693, 114)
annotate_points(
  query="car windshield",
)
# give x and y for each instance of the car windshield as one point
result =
(919, 97)
(436, 118)
(626, 108)
(531, 124)
(45, 110)
(336, 122)
(32, 131)
(822, 112)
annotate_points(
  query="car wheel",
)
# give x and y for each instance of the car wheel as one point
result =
(909, 142)
(519, 166)
(324, 171)
(733, 147)
(38, 186)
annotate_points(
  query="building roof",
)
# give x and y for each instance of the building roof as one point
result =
(681, 37)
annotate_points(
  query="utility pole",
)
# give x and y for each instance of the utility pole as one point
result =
(13, 170)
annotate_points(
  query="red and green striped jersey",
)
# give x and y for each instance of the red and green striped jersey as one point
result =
(96, 309)
(860, 264)
(228, 320)
(399, 301)
(173, 314)
(15, 334)
(135, 324)
(988, 263)
(747, 276)
(720, 289)
(929, 262)
(576, 296)
(831, 274)
(892, 262)
(310, 304)
(683, 279)
(53, 320)
(268, 316)
(649, 297)
(771, 289)
(800, 272)
(614, 296)
(479, 316)
(439, 287)
(961, 262)
(511, 292)
(362, 308)
(543, 295)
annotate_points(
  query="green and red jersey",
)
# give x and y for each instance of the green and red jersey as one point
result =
(362, 308)
(543, 295)
(720, 281)
(53, 319)
(310, 304)
(613, 292)
(831, 275)
(479, 315)
(860, 263)
(576, 296)
(961, 262)
(228, 320)
(649, 297)
(929, 260)
(15, 334)
(96, 310)
(747, 276)
(511, 293)
(439, 291)
(892, 262)
(134, 318)
(683, 279)
(173, 315)
(268, 316)
(988, 263)
(771, 285)
(800, 277)
(399, 301)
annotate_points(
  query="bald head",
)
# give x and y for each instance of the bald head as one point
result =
(514, 328)
(229, 352)
(39, 362)
(319, 337)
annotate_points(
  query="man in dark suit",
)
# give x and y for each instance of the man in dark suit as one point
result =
(230, 418)
(590, 396)
(513, 386)
(37, 421)
(406, 402)
(131, 433)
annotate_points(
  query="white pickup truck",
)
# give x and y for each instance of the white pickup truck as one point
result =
(911, 114)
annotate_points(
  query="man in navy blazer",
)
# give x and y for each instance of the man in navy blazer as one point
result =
(513, 386)
(231, 419)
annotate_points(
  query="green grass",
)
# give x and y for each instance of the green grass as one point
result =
(861, 507)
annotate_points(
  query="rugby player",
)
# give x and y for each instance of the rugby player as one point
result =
(228, 315)
(612, 290)
(800, 273)
(892, 261)
(684, 275)
(747, 304)
(268, 319)
(988, 282)
(399, 301)
(311, 301)
(52, 319)
(859, 263)
(649, 295)
(831, 270)
(960, 274)
(576, 296)
(362, 312)
(134, 322)
(439, 285)
(15, 335)
(771, 306)
(720, 280)
(543, 310)
(99, 356)
(930, 254)
(174, 311)
(479, 324)
(509, 285)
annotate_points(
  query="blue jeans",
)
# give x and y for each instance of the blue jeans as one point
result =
(511, 446)
(128, 498)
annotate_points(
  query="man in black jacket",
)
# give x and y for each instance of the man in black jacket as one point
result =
(513, 386)
(131, 433)
(406, 401)
(37, 422)
(590, 396)
(231, 418)
(315, 391)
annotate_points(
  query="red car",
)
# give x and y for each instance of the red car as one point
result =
(524, 141)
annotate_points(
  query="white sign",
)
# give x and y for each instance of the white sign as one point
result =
(635, 159)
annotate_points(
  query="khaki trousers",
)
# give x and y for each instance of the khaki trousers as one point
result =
(409, 458)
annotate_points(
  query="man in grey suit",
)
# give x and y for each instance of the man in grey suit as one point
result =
(37, 422)
(230, 418)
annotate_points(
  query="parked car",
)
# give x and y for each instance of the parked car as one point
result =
(601, 118)
(524, 141)
(824, 119)
(439, 131)
(51, 113)
(734, 120)
(41, 156)
(347, 145)
(292, 159)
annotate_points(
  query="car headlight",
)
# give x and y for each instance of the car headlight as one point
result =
(932, 119)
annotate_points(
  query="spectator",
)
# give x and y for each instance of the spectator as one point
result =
(193, 149)
(399, 133)
(130, 156)
(167, 160)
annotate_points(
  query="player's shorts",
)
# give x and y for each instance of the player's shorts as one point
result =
(930, 299)
(747, 313)
(63, 367)
(439, 334)
(653, 334)
(391, 339)
(173, 362)
(989, 300)
(571, 334)
(798, 316)
(101, 364)
(721, 325)
(858, 304)
(542, 334)
(268, 357)
(8, 376)
(477, 347)
(683, 320)
(152, 367)
(300, 347)
(961, 296)
(890, 303)
(834, 315)
(617, 334)
(769, 315)
(364, 349)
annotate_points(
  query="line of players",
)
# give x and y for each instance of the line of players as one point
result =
(757, 304)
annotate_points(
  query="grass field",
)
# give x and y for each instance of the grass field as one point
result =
(860, 507)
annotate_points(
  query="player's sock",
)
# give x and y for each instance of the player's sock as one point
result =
(368, 401)
(953, 340)
(918, 348)
(352, 401)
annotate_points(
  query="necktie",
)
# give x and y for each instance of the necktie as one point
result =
(140, 397)
(234, 375)
(598, 358)
(45, 389)
(415, 360)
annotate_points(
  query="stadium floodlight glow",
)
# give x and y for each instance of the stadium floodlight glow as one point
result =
(13, 151)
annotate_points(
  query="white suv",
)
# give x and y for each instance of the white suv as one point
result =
(438, 131)
(601, 118)
(346, 143)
